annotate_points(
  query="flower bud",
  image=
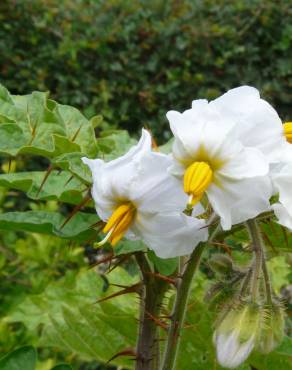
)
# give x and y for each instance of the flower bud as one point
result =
(272, 331)
(236, 334)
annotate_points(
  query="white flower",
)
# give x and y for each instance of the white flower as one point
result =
(210, 160)
(257, 123)
(282, 181)
(137, 198)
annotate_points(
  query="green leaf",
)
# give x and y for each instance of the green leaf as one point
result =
(129, 246)
(72, 162)
(114, 143)
(21, 359)
(58, 186)
(33, 124)
(69, 318)
(165, 266)
(277, 237)
(78, 228)
(62, 367)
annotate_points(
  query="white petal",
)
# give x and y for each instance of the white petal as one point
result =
(170, 234)
(257, 122)
(112, 180)
(283, 215)
(249, 162)
(282, 180)
(236, 201)
(197, 128)
(154, 189)
(230, 352)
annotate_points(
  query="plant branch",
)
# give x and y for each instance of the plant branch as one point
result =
(178, 314)
(151, 301)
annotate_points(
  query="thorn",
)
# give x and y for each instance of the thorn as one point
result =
(76, 210)
(76, 134)
(131, 289)
(162, 277)
(158, 322)
(102, 260)
(9, 164)
(224, 246)
(33, 131)
(70, 179)
(47, 174)
(120, 261)
(99, 223)
(126, 352)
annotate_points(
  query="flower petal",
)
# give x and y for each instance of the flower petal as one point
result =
(112, 181)
(170, 234)
(236, 201)
(283, 215)
(155, 190)
(230, 352)
(257, 123)
(249, 162)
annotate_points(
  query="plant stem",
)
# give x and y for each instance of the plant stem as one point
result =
(151, 301)
(260, 261)
(258, 255)
(178, 314)
(267, 282)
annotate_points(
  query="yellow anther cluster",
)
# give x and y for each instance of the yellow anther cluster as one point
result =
(197, 178)
(288, 131)
(118, 223)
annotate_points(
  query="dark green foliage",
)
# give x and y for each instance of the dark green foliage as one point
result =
(131, 61)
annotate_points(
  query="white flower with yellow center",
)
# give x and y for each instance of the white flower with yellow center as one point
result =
(209, 160)
(137, 198)
(257, 123)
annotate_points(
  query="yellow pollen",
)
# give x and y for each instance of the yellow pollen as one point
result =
(197, 178)
(288, 131)
(118, 223)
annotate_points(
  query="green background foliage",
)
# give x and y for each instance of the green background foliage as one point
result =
(131, 61)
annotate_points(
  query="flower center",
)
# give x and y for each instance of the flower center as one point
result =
(118, 223)
(288, 131)
(197, 178)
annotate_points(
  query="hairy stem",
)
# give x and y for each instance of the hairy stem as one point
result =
(258, 256)
(151, 301)
(179, 309)
(267, 282)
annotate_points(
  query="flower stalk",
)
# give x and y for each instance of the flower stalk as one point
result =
(179, 309)
(260, 262)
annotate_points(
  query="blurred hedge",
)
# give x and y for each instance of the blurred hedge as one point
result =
(131, 61)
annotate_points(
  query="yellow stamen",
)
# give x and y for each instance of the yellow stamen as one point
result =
(118, 223)
(197, 178)
(288, 131)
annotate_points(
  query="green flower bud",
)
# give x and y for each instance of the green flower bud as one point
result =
(272, 331)
(236, 334)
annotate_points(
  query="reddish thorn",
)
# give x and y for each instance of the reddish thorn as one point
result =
(131, 289)
(49, 171)
(70, 179)
(162, 277)
(76, 134)
(102, 260)
(120, 261)
(126, 352)
(75, 210)
(158, 322)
